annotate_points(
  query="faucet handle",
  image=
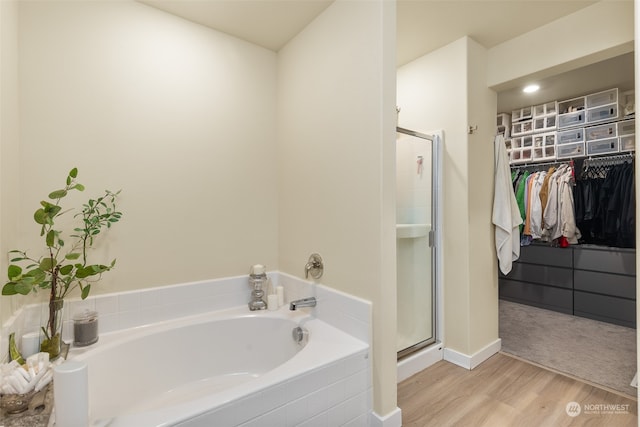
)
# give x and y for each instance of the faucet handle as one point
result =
(314, 266)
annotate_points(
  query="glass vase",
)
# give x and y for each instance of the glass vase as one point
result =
(51, 332)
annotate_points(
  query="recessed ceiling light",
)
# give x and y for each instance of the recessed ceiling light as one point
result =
(531, 88)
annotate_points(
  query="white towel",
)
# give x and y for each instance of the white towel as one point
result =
(506, 215)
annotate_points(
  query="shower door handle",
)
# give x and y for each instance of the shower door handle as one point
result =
(432, 238)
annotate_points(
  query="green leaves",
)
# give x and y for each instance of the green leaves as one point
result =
(14, 272)
(58, 194)
(59, 270)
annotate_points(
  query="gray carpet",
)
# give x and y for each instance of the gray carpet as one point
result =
(598, 352)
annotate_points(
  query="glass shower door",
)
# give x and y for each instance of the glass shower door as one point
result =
(414, 241)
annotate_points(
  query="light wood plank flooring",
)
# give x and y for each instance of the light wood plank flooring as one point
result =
(506, 391)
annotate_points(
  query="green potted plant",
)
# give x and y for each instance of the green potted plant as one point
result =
(63, 267)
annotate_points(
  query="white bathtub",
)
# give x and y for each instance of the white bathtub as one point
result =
(227, 368)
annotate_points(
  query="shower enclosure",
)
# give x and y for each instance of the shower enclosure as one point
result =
(416, 181)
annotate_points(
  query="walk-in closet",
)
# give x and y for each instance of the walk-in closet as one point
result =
(569, 301)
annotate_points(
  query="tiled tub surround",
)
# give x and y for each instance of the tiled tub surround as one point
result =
(332, 388)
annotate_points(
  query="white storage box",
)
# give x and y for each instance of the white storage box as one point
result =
(570, 150)
(549, 108)
(544, 153)
(520, 114)
(604, 113)
(570, 136)
(572, 105)
(602, 98)
(521, 155)
(544, 139)
(522, 128)
(600, 132)
(568, 120)
(521, 141)
(603, 146)
(503, 125)
(542, 124)
(626, 127)
(628, 142)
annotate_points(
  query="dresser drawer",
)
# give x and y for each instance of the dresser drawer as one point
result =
(605, 283)
(542, 275)
(605, 308)
(548, 297)
(606, 260)
(546, 255)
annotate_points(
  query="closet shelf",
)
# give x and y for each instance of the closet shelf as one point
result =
(412, 231)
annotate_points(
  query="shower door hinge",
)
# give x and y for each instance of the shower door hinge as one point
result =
(432, 240)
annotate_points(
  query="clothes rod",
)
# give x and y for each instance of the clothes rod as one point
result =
(530, 165)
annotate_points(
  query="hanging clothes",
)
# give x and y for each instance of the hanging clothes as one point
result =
(605, 205)
(506, 212)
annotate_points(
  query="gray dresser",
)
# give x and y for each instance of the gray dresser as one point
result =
(589, 281)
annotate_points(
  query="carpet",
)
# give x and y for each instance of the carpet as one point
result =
(601, 353)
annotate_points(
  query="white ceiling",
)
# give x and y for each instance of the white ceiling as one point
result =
(422, 26)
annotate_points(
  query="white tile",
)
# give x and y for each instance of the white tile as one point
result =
(108, 323)
(356, 328)
(356, 363)
(317, 402)
(67, 331)
(129, 301)
(150, 298)
(252, 406)
(336, 415)
(275, 396)
(360, 421)
(152, 315)
(296, 412)
(78, 306)
(355, 406)
(275, 418)
(335, 394)
(356, 383)
(107, 304)
(336, 371)
(320, 420)
(128, 319)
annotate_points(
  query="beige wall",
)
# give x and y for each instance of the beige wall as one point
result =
(483, 269)
(178, 116)
(184, 120)
(447, 90)
(592, 34)
(432, 94)
(336, 174)
(9, 137)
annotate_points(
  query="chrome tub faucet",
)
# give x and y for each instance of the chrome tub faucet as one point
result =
(304, 302)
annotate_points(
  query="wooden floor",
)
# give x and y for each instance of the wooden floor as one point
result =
(506, 391)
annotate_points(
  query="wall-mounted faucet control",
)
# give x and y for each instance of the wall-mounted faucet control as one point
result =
(314, 267)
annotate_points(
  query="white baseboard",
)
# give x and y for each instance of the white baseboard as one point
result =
(470, 362)
(392, 419)
(421, 360)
